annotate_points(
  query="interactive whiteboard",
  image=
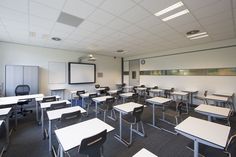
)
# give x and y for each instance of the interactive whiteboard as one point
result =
(81, 73)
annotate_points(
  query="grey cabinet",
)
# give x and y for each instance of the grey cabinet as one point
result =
(20, 74)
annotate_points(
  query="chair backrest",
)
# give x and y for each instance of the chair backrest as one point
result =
(94, 95)
(123, 85)
(135, 97)
(91, 146)
(80, 92)
(155, 87)
(109, 103)
(179, 107)
(70, 118)
(231, 146)
(142, 86)
(134, 89)
(22, 90)
(97, 85)
(137, 113)
(58, 105)
(205, 93)
(49, 99)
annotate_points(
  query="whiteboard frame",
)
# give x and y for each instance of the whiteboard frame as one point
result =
(69, 73)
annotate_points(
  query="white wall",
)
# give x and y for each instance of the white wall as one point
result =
(126, 68)
(30, 55)
(217, 58)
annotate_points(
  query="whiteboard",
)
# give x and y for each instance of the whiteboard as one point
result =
(56, 72)
(80, 73)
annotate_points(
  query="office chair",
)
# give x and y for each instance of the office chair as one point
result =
(92, 146)
(108, 106)
(23, 90)
(134, 118)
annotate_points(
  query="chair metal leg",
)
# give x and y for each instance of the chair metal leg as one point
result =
(104, 118)
(131, 134)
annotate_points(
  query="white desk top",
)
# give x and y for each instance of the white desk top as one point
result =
(216, 98)
(54, 89)
(213, 133)
(144, 153)
(128, 87)
(127, 107)
(112, 91)
(71, 136)
(5, 111)
(125, 95)
(101, 99)
(223, 94)
(85, 95)
(14, 99)
(48, 104)
(56, 114)
(208, 109)
(99, 89)
(156, 90)
(158, 100)
(179, 93)
(190, 91)
(1, 121)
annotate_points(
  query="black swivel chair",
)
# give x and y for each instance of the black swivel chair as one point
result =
(23, 90)
(132, 119)
(92, 146)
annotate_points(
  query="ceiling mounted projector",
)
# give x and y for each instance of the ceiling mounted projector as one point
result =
(89, 57)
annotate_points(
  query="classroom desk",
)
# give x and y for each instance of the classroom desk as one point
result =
(213, 111)
(125, 96)
(205, 132)
(124, 109)
(56, 114)
(144, 153)
(58, 90)
(128, 88)
(111, 92)
(12, 101)
(216, 99)
(99, 90)
(156, 92)
(99, 100)
(161, 102)
(84, 96)
(71, 136)
(191, 93)
(4, 116)
(46, 105)
(3, 149)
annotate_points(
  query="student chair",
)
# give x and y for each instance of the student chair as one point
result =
(23, 90)
(155, 87)
(58, 105)
(108, 106)
(78, 93)
(134, 118)
(92, 146)
(49, 99)
(89, 101)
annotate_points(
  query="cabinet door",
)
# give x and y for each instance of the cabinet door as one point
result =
(13, 77)
(31, 78)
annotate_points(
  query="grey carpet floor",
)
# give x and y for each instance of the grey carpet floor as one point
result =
(27, 139)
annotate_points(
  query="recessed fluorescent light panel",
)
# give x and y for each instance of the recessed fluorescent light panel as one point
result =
(176, 15)
(197, 34)
(172, 7)
(198, 37)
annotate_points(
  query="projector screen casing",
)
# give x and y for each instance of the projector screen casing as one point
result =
(81, 73)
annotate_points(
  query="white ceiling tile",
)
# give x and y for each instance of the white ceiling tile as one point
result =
(131, 30)
(188, 27)
(78, 8)
(118, 24)
(10, 25)
(17, 5)
(101, 17)
(89, 26)
(43, 11)
(41, 22)
(95, 2)
(135, 14)
(117, 7)
(57, 4)
(149, 22)
(40, 31)
(223, 36)
(105, 31)
(194, 5)
(13, 15)
(211, 10)
(157, 5)
(137, 1)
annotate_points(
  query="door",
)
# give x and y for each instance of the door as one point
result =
(134, 68)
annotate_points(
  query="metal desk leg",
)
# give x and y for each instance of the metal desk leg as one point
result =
(153, 118)
(83, 102)
(96, 108)
(119, 137)
(50, 135)
(195, 148)
(61, 151)
(123, 100)
(42, 119)
(15, 110)
(37, 110)
(209, 118)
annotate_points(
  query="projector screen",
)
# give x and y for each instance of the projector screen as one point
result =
(81, 73)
